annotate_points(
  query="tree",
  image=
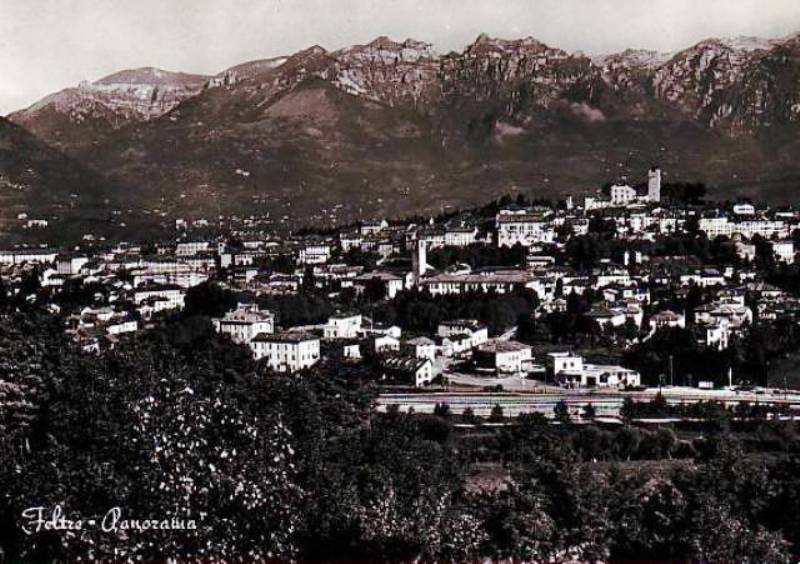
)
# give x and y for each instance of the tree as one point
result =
(630, 331)
(441, 410)
(209, 299)
(561, 410)
(496, 416)
(468, 415)
(589, 411)
(626, 442)
(628, 409)
(665, 441)
(159, 433)
(721, 536)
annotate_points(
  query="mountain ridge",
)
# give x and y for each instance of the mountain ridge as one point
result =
(392, 127)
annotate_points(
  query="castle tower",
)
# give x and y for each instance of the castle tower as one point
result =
(654, 184)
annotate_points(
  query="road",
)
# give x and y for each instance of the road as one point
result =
(606, 403)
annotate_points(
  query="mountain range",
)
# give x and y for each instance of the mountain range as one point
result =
(395, 128)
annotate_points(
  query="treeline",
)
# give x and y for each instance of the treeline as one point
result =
(421, 312)
(478, 256)
(711, 411)
(308, 307)
(675, 353)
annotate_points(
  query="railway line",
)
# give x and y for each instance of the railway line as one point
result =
(605, 403)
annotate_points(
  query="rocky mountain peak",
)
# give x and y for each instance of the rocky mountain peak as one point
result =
(151, 76)
(484, 44)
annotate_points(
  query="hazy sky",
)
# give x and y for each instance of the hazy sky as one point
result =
(46, 45)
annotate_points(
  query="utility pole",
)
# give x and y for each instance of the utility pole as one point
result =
(730, 377)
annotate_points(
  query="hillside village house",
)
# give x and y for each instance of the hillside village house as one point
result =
(563, 363)
(384, 343)
(622, 194)
(122, 325)
(27, 255)
(475, 332)
(570, 369)
(343, 326)
(189, 248)
(421, 347)
(666, 318)
(350, 240)
(244, 323)
(500, 282)
(460, 236)
(783, 251)
(607, 316)
(408, 370)
(523, 227)
(508, 357)
(287, 352)
(714, 334)
(172, 295)
(184, 276)
(392, 283)
(601, 375)
(314, 253)
(369, 227)
(737, 314)
(721, 225)
(70, 264)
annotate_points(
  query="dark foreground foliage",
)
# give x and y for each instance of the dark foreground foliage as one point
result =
(179, 423)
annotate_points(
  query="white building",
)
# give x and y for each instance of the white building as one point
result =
(343, 326)
(314, 253)
(421, 347)
(189, 248)
(172, 295)
(503, 356)
(602, 375)
(666, 318)
(392, 283)
(70, 264)
(716, 334)
(287, 352)
(622, 194)
(460, 236)
(560, 363)
(783, 251)
(244, 323)
(499, 282)
(570, 369)
(524, 228)
(30, 256)
(476, 332)
(721, 226)
(416, 371)
(118, 327)
(744, 209)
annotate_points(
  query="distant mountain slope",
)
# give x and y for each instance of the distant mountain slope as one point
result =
(41, 182)
(80, 116)
(396, 128)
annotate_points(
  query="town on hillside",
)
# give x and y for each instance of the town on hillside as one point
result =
(643, 287)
